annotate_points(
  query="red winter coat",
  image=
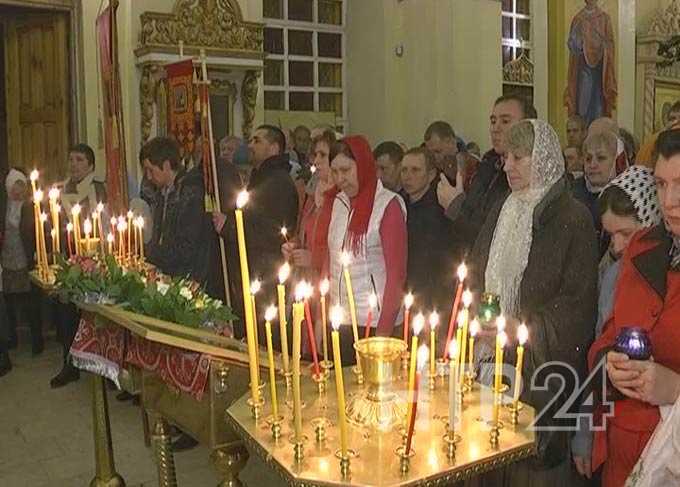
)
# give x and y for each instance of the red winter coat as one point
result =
(647, 295)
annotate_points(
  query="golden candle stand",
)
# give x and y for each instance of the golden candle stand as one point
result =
(377, 457)
(204, 420)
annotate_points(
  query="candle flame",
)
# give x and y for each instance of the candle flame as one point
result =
(433, 320)
(372, 301)
(418, 323)
(474, 327)
(110, 238)
(300, 291)
(57, 208)
(500, 323)
(53, 193)
(122, 226)
(130, 215)
(522, 334)
(87, 226)
(100, 207)
(503, 339)
(324, 286)
(75, 210)
(284, 232)
(345, 259)
(467, 298)
(462, 272)
(53, 232)
(336, 316)
(38, 195)
(121, 219)
(255, 286)
(43, 217)
(141, 221)
(408, 300)
(34, 175)
(242, 199)
(69, 227)
(453, 350)
(423, 356)
(461, 317)
(270, 314)
(113, 220)
(312, 169)
(284, 272)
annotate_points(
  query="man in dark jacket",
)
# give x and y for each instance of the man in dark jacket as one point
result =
(430, 254)
(273, 203)
(469, 210)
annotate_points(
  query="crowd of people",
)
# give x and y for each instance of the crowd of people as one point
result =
(579, 241)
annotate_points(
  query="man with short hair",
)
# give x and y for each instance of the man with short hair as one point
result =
(673, 116)
(302, 138)
(388, 156)
(576, 131)
(441, 141)
(574, 161)
(468, 210)
(430, 253)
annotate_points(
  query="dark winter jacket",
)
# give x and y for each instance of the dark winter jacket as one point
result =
(590, 200)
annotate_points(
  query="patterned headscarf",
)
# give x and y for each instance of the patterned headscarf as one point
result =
(638, 183)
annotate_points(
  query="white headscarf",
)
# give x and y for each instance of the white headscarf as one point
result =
(13, 214)
(509, 252)
(14, 176)
(638, 183)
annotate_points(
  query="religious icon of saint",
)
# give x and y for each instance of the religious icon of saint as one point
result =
(591, 90)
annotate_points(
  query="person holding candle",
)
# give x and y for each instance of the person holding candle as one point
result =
(537, 251)
(648, 297)
(81, 187)
(17, 230)
(368, 222)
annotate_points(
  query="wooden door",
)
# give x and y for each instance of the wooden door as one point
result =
(37, 93)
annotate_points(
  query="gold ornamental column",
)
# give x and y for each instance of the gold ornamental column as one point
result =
(106, 475)
(165, 460)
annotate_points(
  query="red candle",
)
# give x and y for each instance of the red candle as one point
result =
(372, 303)
(423, 354)
(408, 302)
(462, 274)
(310, 332)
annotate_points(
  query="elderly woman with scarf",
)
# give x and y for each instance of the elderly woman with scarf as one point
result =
(537, 251)
(627, 205)
(18, 244)
(368, 222)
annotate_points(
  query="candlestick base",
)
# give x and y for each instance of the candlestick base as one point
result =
(320, 427)
(441, 368)
(345, 461)
(326, 366)
(356, 370)
(514, 409)
(256, 407)
(275, 423)
(460, 397)
(432, 380)
(321, 381)
(405, 360)
(299, 450)
(494, 434)
(450, 440)
(404, 458)
(470, 377)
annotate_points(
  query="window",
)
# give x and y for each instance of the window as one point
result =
(304, 70)
(516, 47)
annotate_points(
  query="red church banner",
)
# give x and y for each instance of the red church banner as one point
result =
(181, 99)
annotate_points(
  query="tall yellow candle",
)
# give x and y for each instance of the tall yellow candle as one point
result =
(110, 239)
(433, 321)
(99, 227)
(241, 201)
(254, 289)
(53, 196)
(75, 214)
(474, 329)
(298, 316)
(34, 180)
(346, 260)
(141, 238)
(130, 216)
(323, 291)
(467, 301)
(284, 272)
(501, 341)
(500, 327)
(87, 228)
(453, 374)
(122, 226)
(53, 234)
(336, 321)
(418, 324)
(269, 315)
(522, 337)
(43, 246)
(37, 198)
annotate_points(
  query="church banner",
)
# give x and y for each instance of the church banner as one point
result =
(181, 108)
(112, 113)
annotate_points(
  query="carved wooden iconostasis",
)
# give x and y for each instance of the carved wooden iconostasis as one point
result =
(234, 57)
(658, 71)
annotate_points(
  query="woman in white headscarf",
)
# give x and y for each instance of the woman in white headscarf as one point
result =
(16, 254)
(537, 251)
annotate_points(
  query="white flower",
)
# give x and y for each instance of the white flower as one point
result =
(162, 288)
(185, 292)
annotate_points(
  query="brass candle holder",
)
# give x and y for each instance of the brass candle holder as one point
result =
(321, 380)
(256, 407)
(432, 381)
(405, 362)
(358, 373)
(320, 427)
(470, 377)
(326, 367)
(404, 458)
(299, 449)
(275, 424)
(345, 461)
(494, 434)
(514, 409)
(450, 440)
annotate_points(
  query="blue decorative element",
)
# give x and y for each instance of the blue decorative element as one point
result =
(634, 342)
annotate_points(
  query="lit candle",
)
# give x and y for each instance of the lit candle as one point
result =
(53, 196)
(37, 198)
(336, 320)
(241, 201)
(298, 316)
(502, 339)
(467, 301)
(522, 337)
(434, 321)
(43, 246)
(122, 226)
(110, 239)
(34, 180)
(453, 373)
(69, 243)
(87, 228)
(130, 216)
(500, 327)
(474, 329)
(372, 303)
(141, 237)
(57, 211)
(75, 214)
(100, 227)
(418, 324)
(269, 315)
(284, 272)
(308, 291)
(422, 359)
(323, 290)
(408, 302)
(255, 287)
(346, 260)
(462, 274)
(113, 221)
(284, 233)
(53, 234)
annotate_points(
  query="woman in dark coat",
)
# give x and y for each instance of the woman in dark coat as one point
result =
(537, 251)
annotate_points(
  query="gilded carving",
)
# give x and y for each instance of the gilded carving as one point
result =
(147, 94)
(667, 21)
(249, 89)
(519, 71)
(216, 24)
